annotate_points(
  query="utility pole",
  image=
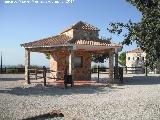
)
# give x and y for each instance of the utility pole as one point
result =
(1, 63)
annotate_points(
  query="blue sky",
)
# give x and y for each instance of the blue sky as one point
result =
(20, 23)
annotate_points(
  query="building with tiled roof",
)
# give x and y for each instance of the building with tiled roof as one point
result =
(79, 33)
(137, 50)
(73, 48)
(135, 58)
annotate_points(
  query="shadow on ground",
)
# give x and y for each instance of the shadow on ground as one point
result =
(11, 79)
(39, 90)
(55, 90)
(142, 80)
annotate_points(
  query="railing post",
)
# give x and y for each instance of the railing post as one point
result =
(28, 76)
(135, 69)
(146, 70)
(98, 74)
(126, 69)
(114, 73)
(36, 74)
(14, 70)
(5, 70)
(121, 74)
(44, 75)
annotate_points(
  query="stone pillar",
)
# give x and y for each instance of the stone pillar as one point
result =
(111, 65)
(116, 64)
(27, 65)
(71, 64)
(54, 64)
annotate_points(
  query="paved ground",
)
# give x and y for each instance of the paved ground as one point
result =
(137, 99)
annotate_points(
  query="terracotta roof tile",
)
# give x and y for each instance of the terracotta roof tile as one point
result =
(55, 40)
(64, 39)
(91, 42)
(96, 42)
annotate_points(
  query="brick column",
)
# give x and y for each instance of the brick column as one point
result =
(27, 65)
(111, 65)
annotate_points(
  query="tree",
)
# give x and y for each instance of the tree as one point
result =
(99, 58)
(122, 59)
(157, 66)
(146, 33)
(47, 55)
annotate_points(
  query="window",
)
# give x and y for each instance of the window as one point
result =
(143, 58)
(137, 58)
(133, 58)
(128, 58)
(78, 61)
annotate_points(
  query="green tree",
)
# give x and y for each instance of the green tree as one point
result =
(47, 55)
(122, 59)
(99, 58)
(157, 66)
(146, 33)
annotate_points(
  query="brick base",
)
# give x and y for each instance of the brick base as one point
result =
(59, 62)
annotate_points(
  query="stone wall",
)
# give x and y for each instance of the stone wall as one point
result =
(59, 62)
(85, 34)
(53, 64)
(84, 73)
(69, 33)
(82, 34)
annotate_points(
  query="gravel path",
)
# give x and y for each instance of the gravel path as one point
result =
(137, 99)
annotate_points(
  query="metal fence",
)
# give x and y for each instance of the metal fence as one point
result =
(12, 70)
(133, 70)
(127, 70)
(104, 70)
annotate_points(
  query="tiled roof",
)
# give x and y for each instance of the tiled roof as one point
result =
(90, 41)
(64, 39)
(82, 25)
(97, 42)
(55, 40)
(137, 50)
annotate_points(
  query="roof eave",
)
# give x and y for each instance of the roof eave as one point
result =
(65, 45)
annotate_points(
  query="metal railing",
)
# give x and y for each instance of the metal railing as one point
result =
(12, 70)
(133, 70)
(41, 73)
(103, 70)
